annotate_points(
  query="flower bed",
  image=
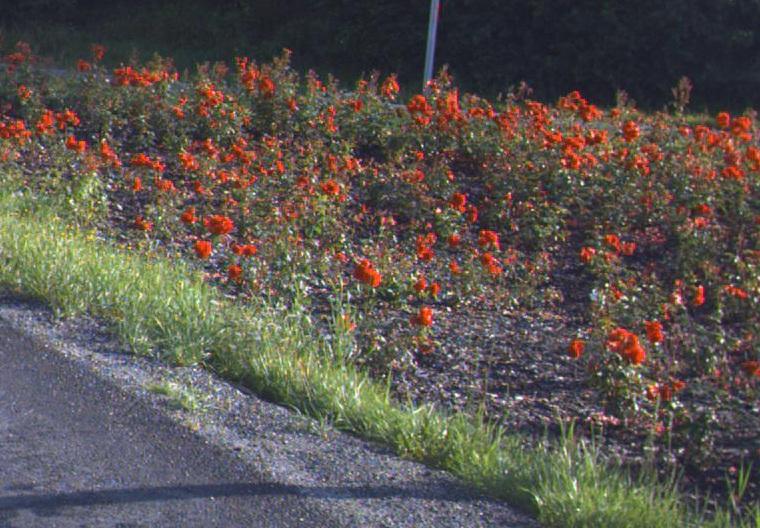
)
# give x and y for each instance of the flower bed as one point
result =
(522, 260)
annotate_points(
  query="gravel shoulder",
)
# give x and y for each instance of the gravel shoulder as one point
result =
(233, 459)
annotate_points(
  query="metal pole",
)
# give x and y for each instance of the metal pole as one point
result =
(432, 28)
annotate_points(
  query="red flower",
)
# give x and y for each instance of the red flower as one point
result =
(188, 161)
(65, 118)
(587, 253)
(203, 249)
(266, 87)
(627, 345)
(435, 289)
(98, 51)
(330, 187)
(575, 350)
(702, 209)
(423, 249)
(420, 285)
(732, 172)
(613, 241)
(454, 240)
(735, 291)
(390, 87)
(616, 338)
(664, 391)
(77, 146)
(423, 318)
(723, 119)
(246, 250)
(108, 154)
(137, 184)
(472, 214)
(751, 368)
(142, 224)
(164, 185)
(699, 296)
(199, 188)
(425, 254)
(628, 248)
(366, 273)
(218, 224)
(458, 201)
(45, 124)
(630, 131)
(491, 264)
(654, 331)
(488, 238)
(235, 272)
(420, 109)
(23, 92)
(741, 126)
(634, 353)
(141, 160)
(188, 216)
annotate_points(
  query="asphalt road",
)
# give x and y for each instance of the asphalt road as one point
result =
(76, 451)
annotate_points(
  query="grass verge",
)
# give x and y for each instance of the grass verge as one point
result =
(157, 305)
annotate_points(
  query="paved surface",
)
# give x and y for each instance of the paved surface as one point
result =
(75, 451)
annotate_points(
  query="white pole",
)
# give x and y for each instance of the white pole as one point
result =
(432, 28)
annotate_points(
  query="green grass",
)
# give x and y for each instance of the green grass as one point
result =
(178, 396)
(163, 307)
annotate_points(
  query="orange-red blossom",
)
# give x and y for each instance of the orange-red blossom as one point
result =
(751, 368)
(458, 201)
(735, 291)
(587, 254)
(575, 350)
(423, 318)
(235, 272)
(390, 87)
(365, 272)
(491, 264)
(654, 331)
(77, 146)
(203, 249)
(630, 131)
(488, 238)
(627, 345)
(723, 120)
(218, 224)
(699, 296)
(664, 391)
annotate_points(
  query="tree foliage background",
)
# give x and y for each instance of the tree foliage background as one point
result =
(596, 46)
